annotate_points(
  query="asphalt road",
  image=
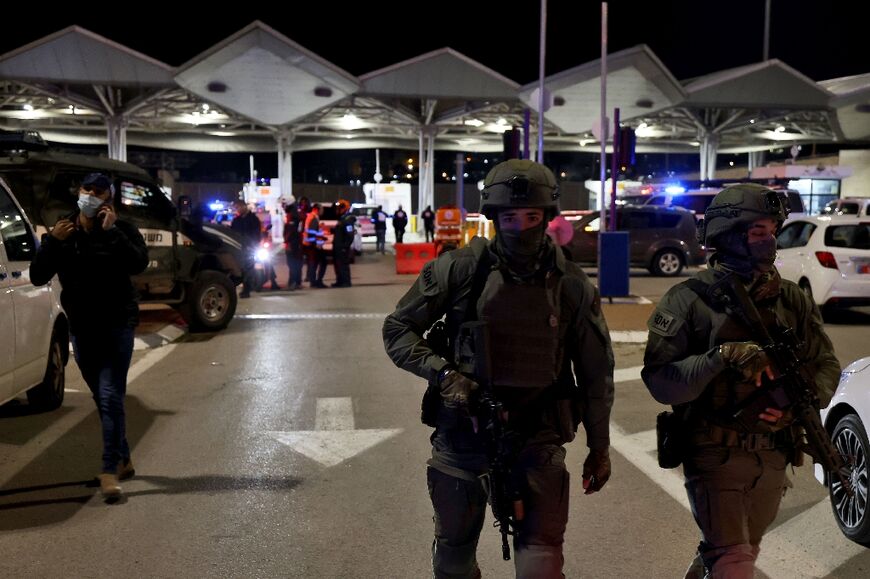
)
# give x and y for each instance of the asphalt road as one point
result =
(289, 446)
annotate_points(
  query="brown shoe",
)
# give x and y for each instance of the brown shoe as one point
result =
(109, 485)
(126, 470)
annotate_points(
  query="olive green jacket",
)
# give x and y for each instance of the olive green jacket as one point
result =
(682, 357)
(443, 288)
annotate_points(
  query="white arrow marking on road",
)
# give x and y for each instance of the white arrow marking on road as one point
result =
(334, 438)
(807, 545)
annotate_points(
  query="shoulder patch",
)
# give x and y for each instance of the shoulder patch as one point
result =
(429, 279)
(664, 323)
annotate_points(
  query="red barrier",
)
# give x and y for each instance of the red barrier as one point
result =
(411, 257)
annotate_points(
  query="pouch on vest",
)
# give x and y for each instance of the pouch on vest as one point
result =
(472, 352)
(670, 438)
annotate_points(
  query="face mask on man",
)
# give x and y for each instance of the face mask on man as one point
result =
(763, 253)
(526, 243)
(89, 205)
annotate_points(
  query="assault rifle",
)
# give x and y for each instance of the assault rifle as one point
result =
(793, 386)
(501, 442)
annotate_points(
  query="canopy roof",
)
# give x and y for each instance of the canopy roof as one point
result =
(258, 85)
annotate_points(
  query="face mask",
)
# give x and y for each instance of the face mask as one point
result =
(89, 205)
(526, 243)
(763, 254)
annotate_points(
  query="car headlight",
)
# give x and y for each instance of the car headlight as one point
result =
(262, 254)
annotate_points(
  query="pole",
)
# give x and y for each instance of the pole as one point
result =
(766, 53)
(614, 169)
(460, 181)
(527, 126)
(603, 168)
(542, 54)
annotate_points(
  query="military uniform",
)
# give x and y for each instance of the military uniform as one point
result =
(543, 330)
(735, 474)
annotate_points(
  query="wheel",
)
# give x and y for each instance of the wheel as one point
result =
(667, 263)
(211, 302)
(48, 394)
(851, 513)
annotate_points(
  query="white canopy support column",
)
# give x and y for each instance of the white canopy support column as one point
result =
(285, 163)
(709, 150)
(756, 159)
(116, 133)
(426, 180)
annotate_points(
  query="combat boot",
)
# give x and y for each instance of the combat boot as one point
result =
(126, 469)
(109, 485)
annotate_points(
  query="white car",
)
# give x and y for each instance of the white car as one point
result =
(849, 206)
(34, 336)
(845, 419)
(828, 257)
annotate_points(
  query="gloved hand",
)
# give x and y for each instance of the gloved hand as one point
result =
(596, 470)
(456, 389)
(748, 358)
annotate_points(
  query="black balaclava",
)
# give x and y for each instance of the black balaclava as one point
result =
(522, 250)
(735, 253)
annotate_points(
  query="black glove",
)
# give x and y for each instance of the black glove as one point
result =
(596, 470)
(747, 357)
(456, 389)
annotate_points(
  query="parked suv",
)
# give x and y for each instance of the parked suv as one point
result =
(193, 266)
(661, 239)
(34, 334)
(848, 206)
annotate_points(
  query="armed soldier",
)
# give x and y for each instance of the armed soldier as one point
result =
(520, 323)
(704, 358)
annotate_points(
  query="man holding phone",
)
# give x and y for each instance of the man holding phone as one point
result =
(94, 254)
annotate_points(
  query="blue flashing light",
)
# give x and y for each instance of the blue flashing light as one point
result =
(216, 206)
(675, 189)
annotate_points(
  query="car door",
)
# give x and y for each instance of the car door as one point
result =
(31, 304)
(584, 244)
(792, 255)
(7, 334)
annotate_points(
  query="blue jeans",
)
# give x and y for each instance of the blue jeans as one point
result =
(104, 360)
(380, 240)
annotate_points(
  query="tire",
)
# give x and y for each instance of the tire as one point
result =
(852, 513)
(211, 302)
(48, 394)
(667, 263)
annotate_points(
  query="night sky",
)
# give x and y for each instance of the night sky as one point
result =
(822, 39)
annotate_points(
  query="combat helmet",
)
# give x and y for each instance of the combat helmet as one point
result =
(520, 183)
(736, 207)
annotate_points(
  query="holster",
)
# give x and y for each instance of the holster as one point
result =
(430, 405)
(670, 439)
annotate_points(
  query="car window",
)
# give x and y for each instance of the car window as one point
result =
(16, 235)
(592, 225)
(850, 236)
(143, 201)
(634, 220)
(848, 209)
(696, 203)
(658, 200)
(668, 220)
(795, 235)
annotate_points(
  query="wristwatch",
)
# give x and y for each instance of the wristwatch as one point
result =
(445, 371)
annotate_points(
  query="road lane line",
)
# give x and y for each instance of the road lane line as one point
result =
(58, 428)
(627, 374)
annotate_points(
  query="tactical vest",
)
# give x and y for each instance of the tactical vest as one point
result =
(520, 325)
(729, 388)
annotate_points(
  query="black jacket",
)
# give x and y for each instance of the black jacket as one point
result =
(94, 270)
(250, 228)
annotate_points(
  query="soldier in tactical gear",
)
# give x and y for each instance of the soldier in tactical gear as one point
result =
(521, 322)
(703, 362)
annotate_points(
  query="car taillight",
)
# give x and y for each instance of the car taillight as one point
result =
(826, 259)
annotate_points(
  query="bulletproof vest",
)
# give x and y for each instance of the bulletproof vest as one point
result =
(522, 328)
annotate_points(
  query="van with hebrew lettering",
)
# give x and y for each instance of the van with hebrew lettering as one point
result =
(193, 266)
